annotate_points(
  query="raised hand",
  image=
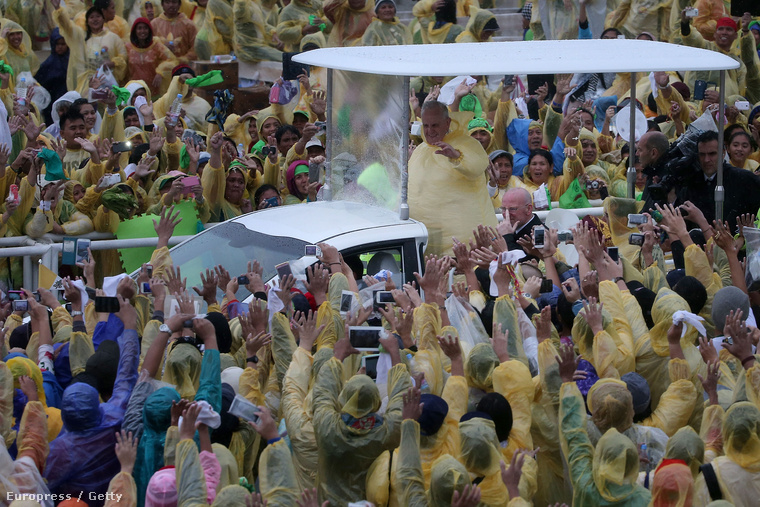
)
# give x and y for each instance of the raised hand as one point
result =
(593, 314)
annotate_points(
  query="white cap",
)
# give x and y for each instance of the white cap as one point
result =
(314, 142)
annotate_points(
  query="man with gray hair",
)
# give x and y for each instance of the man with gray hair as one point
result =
(519, 219)
(447, 190)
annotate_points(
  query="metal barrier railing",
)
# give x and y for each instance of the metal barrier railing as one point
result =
(45, 250)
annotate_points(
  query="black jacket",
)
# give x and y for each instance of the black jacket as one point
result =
(742, 194)
(525, 230)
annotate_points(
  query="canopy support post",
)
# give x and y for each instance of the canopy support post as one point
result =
(404, 206)
(327, 190)
(631, 173)
(720, 193)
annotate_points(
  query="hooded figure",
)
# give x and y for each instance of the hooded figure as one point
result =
(60, 106)
(150, 449)
(350, 434)
(386, 32)
(52, 73)
(294, 17)
(252, 40)
(20, 366)
(673, 486)
(16, 49)
(148, 57)
(603, 475)
(738, 472)
(480, 453)
(611, 406)
(480, 28)
(183, 369)
(447, 475)
(295, 169)
(82, 458)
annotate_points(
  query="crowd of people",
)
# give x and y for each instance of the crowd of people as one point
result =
(508, 374)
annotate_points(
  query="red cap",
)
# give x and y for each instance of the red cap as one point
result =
(726, 22)
(141, 20)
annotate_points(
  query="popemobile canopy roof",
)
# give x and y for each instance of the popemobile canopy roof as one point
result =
(531, 57)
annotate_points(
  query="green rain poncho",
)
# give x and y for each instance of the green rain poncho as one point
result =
(350, 434)
(251, 40)
(602, 476)
(150, 449)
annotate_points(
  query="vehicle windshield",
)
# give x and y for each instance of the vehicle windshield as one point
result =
(232, 245)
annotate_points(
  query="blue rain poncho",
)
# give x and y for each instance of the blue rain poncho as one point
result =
(82, 458)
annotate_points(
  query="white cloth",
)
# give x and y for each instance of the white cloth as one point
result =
(79, 284)
(447, 91)
(689, 318)
(5, 130)
(111, 283)
(510, 257)
(208, 416)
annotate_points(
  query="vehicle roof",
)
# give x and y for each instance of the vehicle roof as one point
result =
(320, 221)
(522, 57)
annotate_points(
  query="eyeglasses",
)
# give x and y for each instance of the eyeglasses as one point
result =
(512, 210)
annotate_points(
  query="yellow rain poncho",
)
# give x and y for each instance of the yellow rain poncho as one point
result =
(121, 491)
(20, 366)
(635, 16)
(551, 20)
(479, 367)
(348, 24)
(480, 454)
(252, 38)
(277, 477)
(180, 31)
(294, 17)
(81, 61)
(432, 177)
(183, 369)
(447, 474)
(424, 8)
(296, 409)
(445, 442)
(350, 434)
(605, 475)
(611, 406)
(738, 472)
(23, 58)
(383, 33)
(214, 181)
(23, 474)
(688, 446)
(673, 486)
(473, 31)
(557, 185)
(601, 350)
(736, 79)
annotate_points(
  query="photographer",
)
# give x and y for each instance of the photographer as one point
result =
(651, 150)
(742, 187)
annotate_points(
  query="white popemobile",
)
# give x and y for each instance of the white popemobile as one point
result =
(275, 235)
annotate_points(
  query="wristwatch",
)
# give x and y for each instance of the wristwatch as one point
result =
(76, 313)
(163, 328)
(252, 359)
